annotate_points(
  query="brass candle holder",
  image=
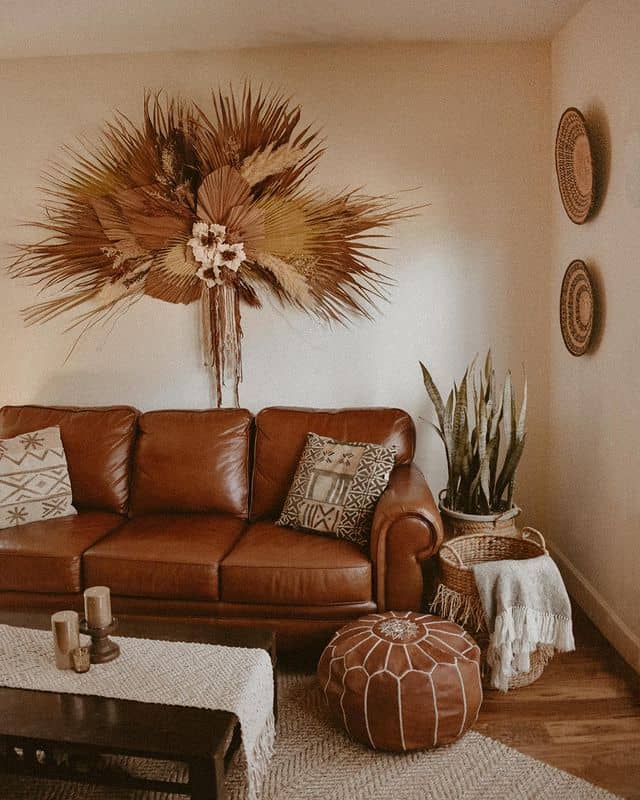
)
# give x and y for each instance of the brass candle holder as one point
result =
(103, 649)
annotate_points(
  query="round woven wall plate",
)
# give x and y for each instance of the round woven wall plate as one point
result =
(576, 308)
(574, 166)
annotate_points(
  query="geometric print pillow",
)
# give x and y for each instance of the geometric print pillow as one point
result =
(336, 487)
(34, 478)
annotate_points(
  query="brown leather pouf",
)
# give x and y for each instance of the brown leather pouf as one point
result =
(402, 681)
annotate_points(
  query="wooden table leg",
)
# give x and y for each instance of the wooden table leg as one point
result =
(206, 779)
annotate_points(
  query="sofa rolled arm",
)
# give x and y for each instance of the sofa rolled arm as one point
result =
(406, 531)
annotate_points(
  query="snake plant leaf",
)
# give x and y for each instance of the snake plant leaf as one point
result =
(459, 450)
(485, 473)
(460, 443)
(490, 377)
(447, 428)
(460, 413)
(470, 371)
(476, 400)
(475, 483)
(434, 394)
(497, 418)
(474, 476)
(466, 463)
(482, 430)
(523, 414)
(509, 467)
(463, 488)
(514, 413)
(482, 477)
(488, 365)
(507, 408)
(494, 443)
(489, 411)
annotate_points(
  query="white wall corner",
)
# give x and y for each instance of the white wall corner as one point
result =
(612, 627)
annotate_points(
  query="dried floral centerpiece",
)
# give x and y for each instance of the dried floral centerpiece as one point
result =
(473, 424)
(189, 207)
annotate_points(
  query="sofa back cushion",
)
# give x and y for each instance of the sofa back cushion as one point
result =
(192, 461)
(281, 435)
(97, 442)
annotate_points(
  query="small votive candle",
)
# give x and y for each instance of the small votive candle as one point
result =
(66, 637)
(81, 657)
(97, 607)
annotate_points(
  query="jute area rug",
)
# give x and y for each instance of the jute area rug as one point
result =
(314, 761)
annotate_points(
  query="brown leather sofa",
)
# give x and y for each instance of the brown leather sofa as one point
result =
(176, 514)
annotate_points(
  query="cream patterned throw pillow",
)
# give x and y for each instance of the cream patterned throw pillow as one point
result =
(34, 478)
(336, 487)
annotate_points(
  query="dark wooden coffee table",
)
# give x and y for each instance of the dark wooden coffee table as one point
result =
(33, 723)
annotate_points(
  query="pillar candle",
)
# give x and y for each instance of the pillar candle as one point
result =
(66, 637)
(97, 606)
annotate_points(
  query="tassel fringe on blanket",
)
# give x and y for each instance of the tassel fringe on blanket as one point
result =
(518, 632)
(462, 608)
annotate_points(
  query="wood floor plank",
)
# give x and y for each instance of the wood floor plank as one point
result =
(582, 715)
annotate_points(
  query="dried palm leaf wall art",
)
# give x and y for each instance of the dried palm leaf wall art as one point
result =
(210, 207)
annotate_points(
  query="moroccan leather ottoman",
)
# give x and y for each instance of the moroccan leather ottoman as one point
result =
(401, 680)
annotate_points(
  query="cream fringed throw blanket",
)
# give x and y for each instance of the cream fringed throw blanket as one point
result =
(235, 679)
(526, 605)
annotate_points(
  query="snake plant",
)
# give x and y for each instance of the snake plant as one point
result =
(473, 424)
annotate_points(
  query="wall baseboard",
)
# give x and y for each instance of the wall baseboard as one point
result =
(598, 610)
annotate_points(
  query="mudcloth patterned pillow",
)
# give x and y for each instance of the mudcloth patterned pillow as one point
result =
(34, 478)
(336, 487)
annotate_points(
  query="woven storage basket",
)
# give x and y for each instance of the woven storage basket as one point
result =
(458, 599)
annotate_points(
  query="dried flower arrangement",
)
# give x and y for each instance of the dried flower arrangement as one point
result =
(189, 207)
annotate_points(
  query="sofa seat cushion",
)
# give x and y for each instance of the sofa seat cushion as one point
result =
(47, 556)
(281, 566)
(175, 556)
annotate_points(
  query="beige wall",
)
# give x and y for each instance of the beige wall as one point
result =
(467, 125)
(594, 457)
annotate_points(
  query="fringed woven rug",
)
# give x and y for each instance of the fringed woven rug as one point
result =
(314, 761)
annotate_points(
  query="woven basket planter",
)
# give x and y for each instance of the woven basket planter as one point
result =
(457, 597)
(458, 524)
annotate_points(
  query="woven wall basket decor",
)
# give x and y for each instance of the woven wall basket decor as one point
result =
(577, 308)
(210, 206)
(574, 166)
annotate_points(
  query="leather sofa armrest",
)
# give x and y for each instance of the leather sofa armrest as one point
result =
(406, 530)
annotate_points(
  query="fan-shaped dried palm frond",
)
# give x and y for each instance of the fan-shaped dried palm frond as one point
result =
(172, 275)
(191, 205)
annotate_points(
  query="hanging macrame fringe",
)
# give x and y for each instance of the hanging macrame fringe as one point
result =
(222, 334)
(461, 608)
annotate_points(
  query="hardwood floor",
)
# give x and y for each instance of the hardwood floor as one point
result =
(582, 715)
